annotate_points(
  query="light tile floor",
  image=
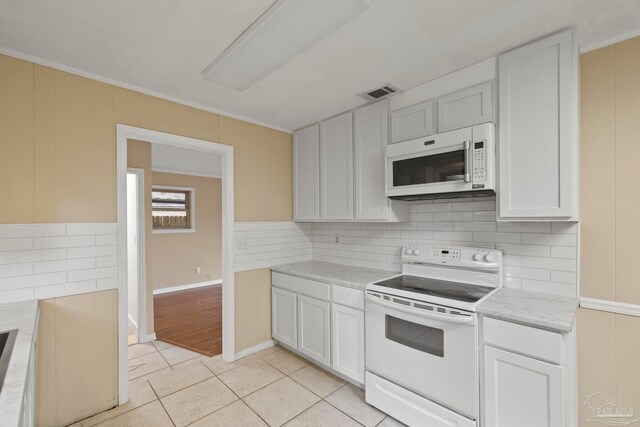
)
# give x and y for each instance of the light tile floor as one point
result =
(171, 386)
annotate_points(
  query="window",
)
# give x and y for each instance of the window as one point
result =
(172, 209)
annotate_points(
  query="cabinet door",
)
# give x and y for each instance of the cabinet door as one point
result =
(466, 107)
(520, 391)
(538, 116)
(306, 174)
(371, 136)
(347, 342)
(336, 168)
(313, 329)
(412, 122)
(283, 317)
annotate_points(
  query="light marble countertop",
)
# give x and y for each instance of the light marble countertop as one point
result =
(23, 316)
(336, 274)
(547, 311)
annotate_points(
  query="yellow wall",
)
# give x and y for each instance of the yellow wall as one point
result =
(71, 326)
(176, 255)
(58, 164)
(57, 139)
(609, 344)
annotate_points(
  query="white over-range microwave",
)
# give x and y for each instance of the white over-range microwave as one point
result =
(451, 164)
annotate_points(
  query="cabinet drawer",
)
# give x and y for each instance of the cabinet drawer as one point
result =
(303, 286)
(348, 296)
(538, 343)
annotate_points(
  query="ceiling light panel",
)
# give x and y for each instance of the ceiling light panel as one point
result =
(287, 28)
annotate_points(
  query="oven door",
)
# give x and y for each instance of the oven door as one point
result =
(437, 164)
(424, 352)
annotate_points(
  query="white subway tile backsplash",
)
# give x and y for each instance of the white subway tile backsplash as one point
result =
(92, 229)
(31, 230)
(16, 244)
(96, 251)
(538, 256)
(52, 260)
(15, 257)
(32, 281)
(11, 270)
(64, 265)
(63, 242)
(94, 273)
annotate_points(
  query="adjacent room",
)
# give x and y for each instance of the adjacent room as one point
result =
(319, 213)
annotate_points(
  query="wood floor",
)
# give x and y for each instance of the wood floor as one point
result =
(191, 319)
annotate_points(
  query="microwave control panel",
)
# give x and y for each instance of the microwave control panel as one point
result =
(479, 161)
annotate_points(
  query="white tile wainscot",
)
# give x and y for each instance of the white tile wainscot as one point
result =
(264, 244)
(52, 260)
(537, 256)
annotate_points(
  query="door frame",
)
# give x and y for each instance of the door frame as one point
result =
(123, 134)
(142, 262)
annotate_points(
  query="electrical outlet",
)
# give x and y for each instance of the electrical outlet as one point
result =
(337, 238)
(242, 243)
(197, 270)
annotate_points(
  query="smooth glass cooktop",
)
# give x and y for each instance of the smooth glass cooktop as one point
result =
(438, 288)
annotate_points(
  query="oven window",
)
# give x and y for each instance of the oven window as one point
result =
(422, 338)
(430, 169)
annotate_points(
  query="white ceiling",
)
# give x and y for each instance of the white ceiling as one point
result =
(162, 46)
(165, 158)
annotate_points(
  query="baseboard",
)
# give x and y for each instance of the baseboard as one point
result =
(255, 349)
(185, 287)
(149, 337)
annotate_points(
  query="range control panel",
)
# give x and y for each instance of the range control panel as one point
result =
(485, 258)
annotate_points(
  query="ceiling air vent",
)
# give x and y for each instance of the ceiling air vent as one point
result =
(375, 94)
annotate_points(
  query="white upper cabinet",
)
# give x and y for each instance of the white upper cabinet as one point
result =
(370, 139)
(538, 150)
(411, 122)
(467, 107)
(336, 168)
(306, 174)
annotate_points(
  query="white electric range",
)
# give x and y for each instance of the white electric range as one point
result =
(422, 335)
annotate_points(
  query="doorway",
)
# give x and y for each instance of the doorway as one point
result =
(136, 305)
(124, 133)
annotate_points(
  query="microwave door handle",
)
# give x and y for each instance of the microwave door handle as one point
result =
(467, 161)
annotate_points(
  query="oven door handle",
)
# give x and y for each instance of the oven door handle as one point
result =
(420, 312)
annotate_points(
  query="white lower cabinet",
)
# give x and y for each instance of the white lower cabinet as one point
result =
(529, 377)
(314, 329)
(347, 336)
(521, 391)
(284, 317)
(322, 322)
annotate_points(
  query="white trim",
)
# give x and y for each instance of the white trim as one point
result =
(141, 330)
(123, 133)
(178, 288)
(150, 337)
(186, 172)
(609, 41)
(136, 88)
(255, 349)
(610, 306)
(192, 209)
(132, 325)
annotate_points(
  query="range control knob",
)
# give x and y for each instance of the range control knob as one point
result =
(477, 256)
(416, 252)
(488, 257)
(408, 251)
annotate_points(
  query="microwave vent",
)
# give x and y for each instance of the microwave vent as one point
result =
(376, 94)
